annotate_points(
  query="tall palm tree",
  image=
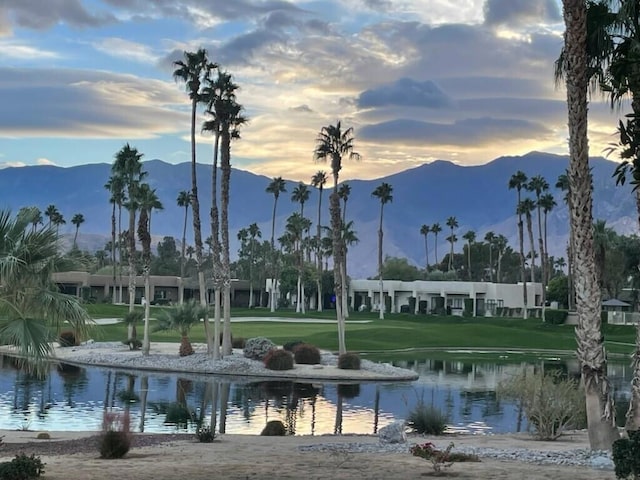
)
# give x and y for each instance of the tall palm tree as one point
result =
(344, 190)
(147, 201)
(501, 246)
(490, 238)
(319, 180)
(547, 202)
(435, 229)
(254, 234)
(50, 213)
(452, 223)
(275, 187)
(470, 237)
(193, 71)
(563, 184)
(334, 143)
(116, 189)
(538, 185)
(184, 201)
(518, 181)
(424, 231)
(128, 166)
(300, 194)
(591, 353)
(384, 193)
(77, 220)
(32, 310)
(295, 229)
(526, 208)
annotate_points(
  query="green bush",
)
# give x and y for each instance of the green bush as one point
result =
(349, 361)
(22, 467)
(204, 434)
(274, 428)
(555, 317)
(291, 346)
(278, 359)
(115, 440)
(626, 456)
(238, 342)
(427, 419)
(67, 338)
(257, 348)
(306, 354)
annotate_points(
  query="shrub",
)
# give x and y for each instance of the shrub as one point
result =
(22, 467)
(626, 456)
(43, 436)
(427, 419)
(555, 317)
(306, 354)
(551, 403)
(133, 343)
(67, 338)
(257, 348)
(274, 428)
(115, 440)
(278, 360)
(291, 346)
(204, 434)
(349, 361)
(238, 342)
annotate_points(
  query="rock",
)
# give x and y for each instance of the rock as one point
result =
(393, 433)
(602, 462)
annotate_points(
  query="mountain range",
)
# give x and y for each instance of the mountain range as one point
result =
(478, 196)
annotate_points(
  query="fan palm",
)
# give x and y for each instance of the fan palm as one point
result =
(435, 229)
(518, 181)
(490, 238)
(526, 207)
(424, 231)
(344, 190)
(254, 234)
(184, 201)
(333, 144)
(452, 223)
(116, 189)
(275, 187)
(181, 318)
(470, 237)
(77, 220)
(384, 193)
(300, 194)
(51, 213)
(538, 185)
(319, 180)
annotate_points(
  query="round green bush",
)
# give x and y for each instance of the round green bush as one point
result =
(67, 338)
(427, 419)
(114, 444)
(349, 361)
(278, 360)
(258, 347)
(306, 354)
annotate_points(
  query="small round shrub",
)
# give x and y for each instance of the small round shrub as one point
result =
(204, 434)
(114, 444)
(258, 347)
(238, 342)
(22, 467)
(274, 428)
(427, 419)
(349, 361)
(67, 338)
(43, 436)
(306, 354)
(278, 360)
(291, 346)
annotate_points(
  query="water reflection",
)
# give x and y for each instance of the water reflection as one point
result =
(75, 398)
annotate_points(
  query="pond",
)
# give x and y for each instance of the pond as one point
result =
(71, 398)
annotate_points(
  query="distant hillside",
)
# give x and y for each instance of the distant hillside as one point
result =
(477, 196)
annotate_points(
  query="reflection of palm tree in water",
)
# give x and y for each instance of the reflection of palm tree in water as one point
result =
(224, 402)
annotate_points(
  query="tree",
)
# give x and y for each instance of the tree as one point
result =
(51, 213)
(254, 234)
(384, 193)
(547, 202)
(300, 194)
(116, 189)
(538, 185)
(193, 71)
(563, 184)
(591, 353)
(181, 317)
(470, 237)
(501, 246)
(344, 190)
(518, 181)
(452, 223)
(333, 143)
(77, 220)
(436, 229)
(526, 207)
(275, 187)
(319, 180)
(490, 238)
(184, 201)
(424, 231)
(32, 310)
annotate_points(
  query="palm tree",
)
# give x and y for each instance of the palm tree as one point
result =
(77, 220)
(58, 219)
(501, 246)
(147, 201)
(452, 223)
(116, 189)
(538, 185)
(384, 193)
(424, 230)
(526, 207)
(344, 190)
(181, 317)
(300, 194)
(50, 213)
(591, 353)
(184, 201)
(436, 229)
(32, 310)
(254, 234)
(319, 180)
(275, 187)
(470, 237)
(128, 166)
(333, 143)
(547, 202)
(193, 71)
(296, 226)
(518, 181)
(490, 238)
(563, 184)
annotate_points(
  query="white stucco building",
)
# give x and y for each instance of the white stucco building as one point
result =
(487, 298)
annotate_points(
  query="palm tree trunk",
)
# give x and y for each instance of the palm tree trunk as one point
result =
(435, 248)
(426, 251)
(274, 268)
(469, 259)
(298, 292)
(490, 262)
(218, 271)
(591, 353)
(523, 274)
(182, 256)
(336, 221)
(113, 251)
(225, 166)
(381, 281)
(319, 252)
(345, 283)
(146, 343)
(132, 251)
(120, 253)
(532, 248)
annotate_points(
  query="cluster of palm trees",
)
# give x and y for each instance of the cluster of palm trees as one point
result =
(54, 219)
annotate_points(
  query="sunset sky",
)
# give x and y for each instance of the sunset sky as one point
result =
(419, 80)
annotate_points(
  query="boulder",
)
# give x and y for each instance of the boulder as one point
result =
(393, 433)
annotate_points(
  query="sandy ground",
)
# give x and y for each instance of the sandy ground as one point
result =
(241, 457)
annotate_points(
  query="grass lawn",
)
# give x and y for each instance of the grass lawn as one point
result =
(396, 333)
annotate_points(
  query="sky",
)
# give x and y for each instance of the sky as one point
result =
(418, 80)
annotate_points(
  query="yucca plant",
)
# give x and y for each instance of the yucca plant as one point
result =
(181, 317)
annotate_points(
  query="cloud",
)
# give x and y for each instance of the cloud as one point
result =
(405, 92)
(35, 15)
(521, 12)
(20, 51)
(44, 161)
(121, 48)
(301, 109)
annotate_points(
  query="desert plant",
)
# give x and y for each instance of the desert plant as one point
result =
(439, 458)
(626, 456)
(551, 403)
(67, 338)
(306, 354)
(132, 319)
(204, 434)
(181, 318)
(133, 343)
(258, 347)
(43, 436)
(278, 359)
(238, 342)
(349, 361)
(427, 419)
(115, 440)
(274, 428)
(290, 346)
(22, 467)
